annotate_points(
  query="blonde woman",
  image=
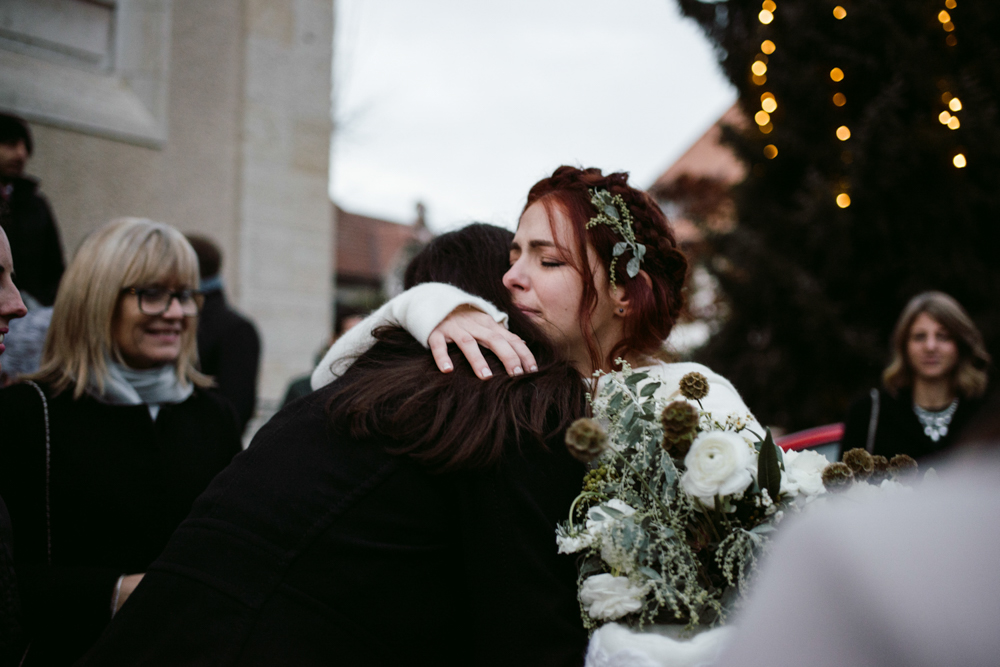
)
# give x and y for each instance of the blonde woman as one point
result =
(107, 446)
(932, 386)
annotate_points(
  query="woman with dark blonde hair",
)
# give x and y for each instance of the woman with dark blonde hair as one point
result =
(932, 386)
(107, 446)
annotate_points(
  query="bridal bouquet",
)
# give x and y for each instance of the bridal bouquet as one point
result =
(680, 503)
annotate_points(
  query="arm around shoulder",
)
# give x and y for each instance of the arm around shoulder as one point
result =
(418, 310)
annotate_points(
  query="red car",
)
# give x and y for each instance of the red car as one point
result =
(822, 439)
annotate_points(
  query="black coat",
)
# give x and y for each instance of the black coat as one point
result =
(119, 485)
(12, 642)
(315, 549)
(899, 431)
(34, 241)
(229, 351)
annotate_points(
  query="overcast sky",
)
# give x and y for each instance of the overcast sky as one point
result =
(464, 104)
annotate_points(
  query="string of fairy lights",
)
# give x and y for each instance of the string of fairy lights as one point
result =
(769, 103)
(949, 116)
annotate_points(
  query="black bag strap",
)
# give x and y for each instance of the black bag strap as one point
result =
(873, 422)
(48, 464)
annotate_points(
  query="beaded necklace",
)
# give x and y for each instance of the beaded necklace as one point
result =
(935, 423)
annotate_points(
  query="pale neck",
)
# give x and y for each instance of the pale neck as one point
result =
(933, 395)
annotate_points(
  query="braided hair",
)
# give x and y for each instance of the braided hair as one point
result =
(654, 306)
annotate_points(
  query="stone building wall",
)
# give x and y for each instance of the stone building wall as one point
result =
(239, 150)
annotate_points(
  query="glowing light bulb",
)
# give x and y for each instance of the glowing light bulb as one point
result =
(839, 99)
(948, 27)
(837, 74)
(843, 200)
(944, 117)
(758, 68)
(953, 123)
(770, 151)
(765, 16)
(766, 129)
(839, 12)
(958, 160)
(767, 47)
(951, 40)
(955, 104)
(769, 5)
(843, 133)
(950, 4)
(944, 17)
(762, 118)
(769, 105)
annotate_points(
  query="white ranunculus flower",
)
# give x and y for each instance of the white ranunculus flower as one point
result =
(718, 463)
(607, 597)
(803, 473)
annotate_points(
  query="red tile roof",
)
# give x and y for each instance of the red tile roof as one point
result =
(367, 248)
(707, 157)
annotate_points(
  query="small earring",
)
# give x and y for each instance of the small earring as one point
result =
(621, 310)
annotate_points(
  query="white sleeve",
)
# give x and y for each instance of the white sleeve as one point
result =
(418, 310)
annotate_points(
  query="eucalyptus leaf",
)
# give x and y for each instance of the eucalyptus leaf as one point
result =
(669, 471)
(627, 415)
(632, 268)
(615, 402)
(635, 378)
(640, 250)
(649, 389)
(591, 566)
(611, 211)
(611, 512)
(768, 470)
(619, 248)
(763, 529)
(635, 434)
(650, 572)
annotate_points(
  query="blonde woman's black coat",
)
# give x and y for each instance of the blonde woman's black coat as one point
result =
(119, 484)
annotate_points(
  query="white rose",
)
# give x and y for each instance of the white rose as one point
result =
(607, 597)
(718, 463)
(803, 473)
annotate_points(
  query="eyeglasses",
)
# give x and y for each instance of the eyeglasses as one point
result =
(156, 300)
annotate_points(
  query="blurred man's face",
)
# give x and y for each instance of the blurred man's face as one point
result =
(13, 158)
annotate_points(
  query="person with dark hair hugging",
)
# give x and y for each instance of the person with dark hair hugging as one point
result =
(397, 516)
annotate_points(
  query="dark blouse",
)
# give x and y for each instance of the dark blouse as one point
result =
(316, 549)
(899, 431)
(119, 484)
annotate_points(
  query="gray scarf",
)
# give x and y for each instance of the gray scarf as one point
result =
(151, 387)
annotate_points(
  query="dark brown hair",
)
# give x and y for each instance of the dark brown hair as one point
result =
(14, 129)
(456, 421)
(209, 255)
(969, 377)
(654, 306)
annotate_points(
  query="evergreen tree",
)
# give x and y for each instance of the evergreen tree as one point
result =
(835, 234)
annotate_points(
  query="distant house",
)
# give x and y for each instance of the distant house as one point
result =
(694, 190)
(694, 193)
(371, 255)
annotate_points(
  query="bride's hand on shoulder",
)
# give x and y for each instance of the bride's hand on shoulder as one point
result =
(469, 329)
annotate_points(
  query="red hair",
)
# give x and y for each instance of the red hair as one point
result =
(653, 307)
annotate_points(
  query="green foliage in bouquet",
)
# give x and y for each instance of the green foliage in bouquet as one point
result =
(672, 521)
